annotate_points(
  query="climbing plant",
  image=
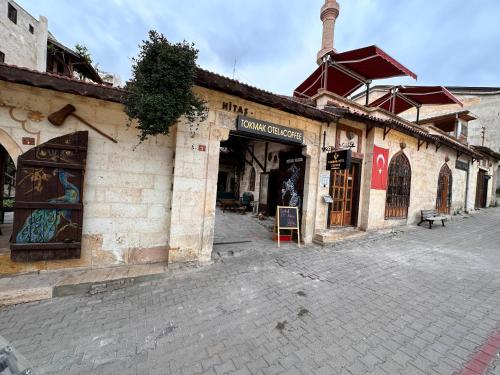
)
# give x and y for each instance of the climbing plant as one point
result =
(160, 91)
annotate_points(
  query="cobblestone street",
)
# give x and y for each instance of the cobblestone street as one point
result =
(416, 302)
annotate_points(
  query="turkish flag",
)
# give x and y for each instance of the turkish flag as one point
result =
(380, 168)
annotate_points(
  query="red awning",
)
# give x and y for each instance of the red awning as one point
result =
(401, 98)
(345, 72)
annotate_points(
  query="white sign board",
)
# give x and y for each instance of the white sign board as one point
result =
(324, 179)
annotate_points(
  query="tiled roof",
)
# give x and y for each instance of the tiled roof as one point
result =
(60, 83)
(220, 83)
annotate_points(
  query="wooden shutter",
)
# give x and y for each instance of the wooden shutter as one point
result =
(48, 210)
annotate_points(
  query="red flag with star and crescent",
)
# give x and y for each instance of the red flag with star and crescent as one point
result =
(380, 168)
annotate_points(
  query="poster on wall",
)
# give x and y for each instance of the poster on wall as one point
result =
(380, 167)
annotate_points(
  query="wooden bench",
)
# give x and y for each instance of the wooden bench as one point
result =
(232, 205)
(431, 216)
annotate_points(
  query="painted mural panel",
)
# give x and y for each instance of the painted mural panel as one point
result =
(48, 210)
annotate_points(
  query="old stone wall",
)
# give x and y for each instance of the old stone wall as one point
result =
(425, 167)
(127, 190)
(20, 46)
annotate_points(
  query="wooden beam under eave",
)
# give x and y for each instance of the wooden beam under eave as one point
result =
(386, 131)
(438, 146)
(420, 144)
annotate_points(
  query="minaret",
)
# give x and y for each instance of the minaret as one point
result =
(329, 14)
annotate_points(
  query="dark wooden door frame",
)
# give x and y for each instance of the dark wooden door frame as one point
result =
(355, 194)
(48, 211)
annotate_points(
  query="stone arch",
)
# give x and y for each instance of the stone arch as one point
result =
(398, 191)
(10, 145)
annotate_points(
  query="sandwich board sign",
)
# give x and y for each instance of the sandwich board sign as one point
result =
(287, 218)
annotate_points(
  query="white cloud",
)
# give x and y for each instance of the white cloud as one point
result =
(275, 42)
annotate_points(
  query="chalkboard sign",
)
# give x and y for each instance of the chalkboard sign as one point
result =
(287, 218)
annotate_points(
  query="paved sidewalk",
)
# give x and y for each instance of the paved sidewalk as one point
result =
(417, 302)
(37, 286)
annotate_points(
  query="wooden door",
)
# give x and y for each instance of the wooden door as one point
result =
(481, 189)
(48, 211)
(343, 193)
(445, 183)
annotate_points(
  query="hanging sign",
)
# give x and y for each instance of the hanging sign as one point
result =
(287, 218)
(269, 130)
(462, 165)
(380, 168)
(338, 160)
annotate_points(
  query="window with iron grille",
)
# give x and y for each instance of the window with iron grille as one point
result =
(444, 193)
(2, 57)
(398, 188)
(12, 13)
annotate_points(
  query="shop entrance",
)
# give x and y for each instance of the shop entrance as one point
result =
(255, 176)
(344, 190)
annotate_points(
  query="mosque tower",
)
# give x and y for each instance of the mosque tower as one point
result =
(329, 14)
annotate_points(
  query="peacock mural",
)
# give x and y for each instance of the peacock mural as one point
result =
(43, 225)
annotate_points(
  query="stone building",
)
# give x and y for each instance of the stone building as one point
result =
(476, 123)
(27, 42)
(341, 163)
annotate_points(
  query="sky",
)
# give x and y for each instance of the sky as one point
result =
(272, 44)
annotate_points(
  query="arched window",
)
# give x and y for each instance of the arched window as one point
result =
(397, 199)
(251, 181)
(445, 184)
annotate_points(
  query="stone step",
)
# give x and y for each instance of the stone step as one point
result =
(50, 284)
(15, 297)
(335, 235)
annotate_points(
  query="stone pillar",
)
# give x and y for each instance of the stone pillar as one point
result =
(194, 192)
(329, 14)
(212, 170)
(368, 203)
(321, 219)
(311, 183)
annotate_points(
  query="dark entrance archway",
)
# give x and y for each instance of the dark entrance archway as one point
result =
(481, 189)
(255, 176)
(8, 193)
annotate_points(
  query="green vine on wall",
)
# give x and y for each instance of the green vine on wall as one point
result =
(160, 91)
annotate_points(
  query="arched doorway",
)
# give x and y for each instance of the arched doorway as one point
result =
(8, 192)
(444, 193)
(397, 198)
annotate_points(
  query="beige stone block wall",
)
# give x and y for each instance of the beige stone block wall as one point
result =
(127, 191)
(425, 165)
